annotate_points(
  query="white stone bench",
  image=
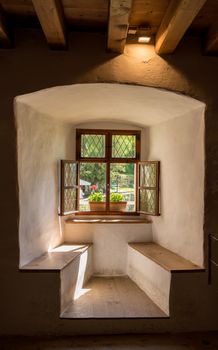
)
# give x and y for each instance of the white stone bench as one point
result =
(150, 266)
(74, 264)
(110, 236)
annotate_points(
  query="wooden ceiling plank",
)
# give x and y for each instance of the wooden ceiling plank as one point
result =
(84, 4)
(211, 44)
(5, 40)
(177, 19)
(50, 15)
(119, 13)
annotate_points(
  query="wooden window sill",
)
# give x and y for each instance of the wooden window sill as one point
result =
(165, 258)
(57, 258)
(109, 220)
(107, 213)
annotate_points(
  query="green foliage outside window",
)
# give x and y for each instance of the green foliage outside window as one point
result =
(95, 173)
(116, 197)
(92, 146)
(96, 197)
(123, 146)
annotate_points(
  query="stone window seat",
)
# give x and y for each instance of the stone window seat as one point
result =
(57, 258)
(167, 259)
(153, 268)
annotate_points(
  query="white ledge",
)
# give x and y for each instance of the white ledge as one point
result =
(108, 221)
(167, 259)
(57, 258)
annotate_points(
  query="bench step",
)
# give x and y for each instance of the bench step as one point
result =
(165, 258)
(151, 267)
(57, 258)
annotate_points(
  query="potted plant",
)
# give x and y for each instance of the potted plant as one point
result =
(116, 202)
(96, 201)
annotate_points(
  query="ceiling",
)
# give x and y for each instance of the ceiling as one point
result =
(198, 17)
(118, 103)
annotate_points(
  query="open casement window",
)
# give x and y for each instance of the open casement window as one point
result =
(108, 178)
(148, 189)
(69, 187)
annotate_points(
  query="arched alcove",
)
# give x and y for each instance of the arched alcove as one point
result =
(172, 131)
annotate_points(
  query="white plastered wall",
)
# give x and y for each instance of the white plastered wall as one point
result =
(41, 143)
(110, 243)
(179, 145)
(172, 129)
(150, 277)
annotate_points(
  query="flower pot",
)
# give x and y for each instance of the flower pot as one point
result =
(118, 206)
(101, 206)
(97, 206)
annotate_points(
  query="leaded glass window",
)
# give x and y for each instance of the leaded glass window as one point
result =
(108, 170)
(92, 146)
(149, 187)
(69, 181)
(123, 146)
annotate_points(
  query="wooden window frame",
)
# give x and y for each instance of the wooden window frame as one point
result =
(155, 188)
(108, 159)
(64, 187)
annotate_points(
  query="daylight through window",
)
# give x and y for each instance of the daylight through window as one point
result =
(107, 170)
(108, 176)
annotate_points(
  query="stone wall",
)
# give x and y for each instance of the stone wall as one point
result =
(30, 67)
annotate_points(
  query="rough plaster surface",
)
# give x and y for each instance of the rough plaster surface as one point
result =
(31, 67)
(150, 277)
(42, 142)
(120, 103)
(179, 145)
(74, 276)
(109, 243)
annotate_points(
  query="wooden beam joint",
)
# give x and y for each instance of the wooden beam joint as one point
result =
(119, 13)
(177, 19)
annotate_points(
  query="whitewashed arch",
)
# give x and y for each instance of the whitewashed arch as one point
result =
(45, 122)
(80, 103)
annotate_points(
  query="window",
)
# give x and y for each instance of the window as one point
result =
(108, 176)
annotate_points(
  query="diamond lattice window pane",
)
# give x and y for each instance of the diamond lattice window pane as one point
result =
(123, 146)
(147, 201)
(69, 200)
(92, 146)
(148, 176)
(70, 174)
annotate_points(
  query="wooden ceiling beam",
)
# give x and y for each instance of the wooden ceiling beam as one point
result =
(50, 15)
(5, 40)
(211, 44)
(177, 19)
(118, 23)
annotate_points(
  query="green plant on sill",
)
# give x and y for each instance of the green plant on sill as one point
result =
(116, 197)
(96, 197)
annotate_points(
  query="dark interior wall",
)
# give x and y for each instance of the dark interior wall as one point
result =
(32, 66)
